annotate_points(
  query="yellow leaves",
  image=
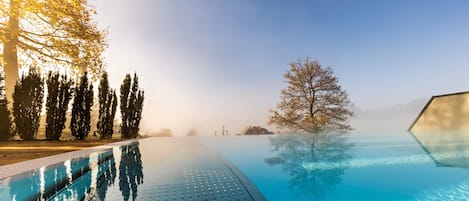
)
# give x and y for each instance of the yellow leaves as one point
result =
(58, 32)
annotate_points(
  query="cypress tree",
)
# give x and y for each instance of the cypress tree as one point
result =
(5, 125)
(81, 109)
(107, 108)
(27, 104)
(124, 97)
(131, 107)
(59, 93)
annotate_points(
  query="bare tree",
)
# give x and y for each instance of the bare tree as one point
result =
(313, 100)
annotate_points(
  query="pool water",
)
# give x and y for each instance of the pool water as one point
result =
(84, 178)
(398, 166)
(402, 166)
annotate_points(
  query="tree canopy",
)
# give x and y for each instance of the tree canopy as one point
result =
(54, 33)
(256, 130)
(313, 101)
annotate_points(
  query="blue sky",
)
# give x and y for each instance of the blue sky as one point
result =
(208, 63)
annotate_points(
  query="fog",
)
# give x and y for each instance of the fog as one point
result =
(392, 119)
(208, 65)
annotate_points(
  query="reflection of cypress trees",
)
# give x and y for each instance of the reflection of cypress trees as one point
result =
(81, 178)
(130, 171)
(28, 187)
(54, 179)
(25, 187)
(57, 184)
(107, 170)
(294, 150)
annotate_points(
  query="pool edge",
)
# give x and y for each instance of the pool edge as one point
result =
(247, 183)
(29, 165)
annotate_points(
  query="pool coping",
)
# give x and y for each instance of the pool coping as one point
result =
(245, 181)
(33, 164)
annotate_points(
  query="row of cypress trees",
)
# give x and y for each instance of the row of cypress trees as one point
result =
(28, 100)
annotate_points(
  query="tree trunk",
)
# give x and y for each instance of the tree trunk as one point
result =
(10, 56)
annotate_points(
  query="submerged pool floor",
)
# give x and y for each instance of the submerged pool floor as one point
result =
(169, 169)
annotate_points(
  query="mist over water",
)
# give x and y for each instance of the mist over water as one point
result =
(396, 118)
(205, 65)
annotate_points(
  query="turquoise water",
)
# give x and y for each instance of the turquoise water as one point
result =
(86, 178)
(397, 166)
(352, 167)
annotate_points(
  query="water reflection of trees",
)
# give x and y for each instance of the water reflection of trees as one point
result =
(130, 171)
(294, 150)
(48, 182)
(25, 187)
(73, 179)
(107, 170)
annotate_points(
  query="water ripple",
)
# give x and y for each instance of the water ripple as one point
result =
(397, 160)
(458, 192)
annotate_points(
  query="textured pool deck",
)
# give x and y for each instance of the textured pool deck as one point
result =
(172, 169)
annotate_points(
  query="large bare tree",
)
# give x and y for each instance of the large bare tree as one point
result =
(313, 101)
(53, 33)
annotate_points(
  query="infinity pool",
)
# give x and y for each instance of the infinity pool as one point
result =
(399, 166)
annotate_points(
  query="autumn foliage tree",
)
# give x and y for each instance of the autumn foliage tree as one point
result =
(49, 33)
(80, 124)
(107, 108)
(27, 104)
(5, 119)
(131, 106)
(313, 100)
(59, 93)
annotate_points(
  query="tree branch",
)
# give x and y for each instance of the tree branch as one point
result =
(38, 50)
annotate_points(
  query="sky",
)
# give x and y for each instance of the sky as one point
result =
(205, 64)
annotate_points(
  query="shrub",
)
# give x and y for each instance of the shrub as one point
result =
(27, 104)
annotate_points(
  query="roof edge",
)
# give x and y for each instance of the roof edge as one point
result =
(428, 103)
(421, 113)
(451, 94)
